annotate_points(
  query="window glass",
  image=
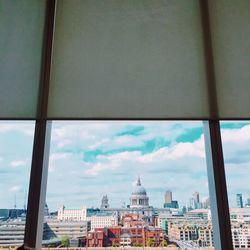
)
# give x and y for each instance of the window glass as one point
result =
(236, 141)
(127, 184)
(16, 141)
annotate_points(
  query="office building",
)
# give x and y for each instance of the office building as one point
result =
(200, 232)
(12, 232)
(101, 221)
(72, 229)
(168, 196)
(239, 200)
(169, 202)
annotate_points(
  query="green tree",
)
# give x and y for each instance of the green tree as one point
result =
(64, 241)
(150, 242)
(164, 243)
(114, 244)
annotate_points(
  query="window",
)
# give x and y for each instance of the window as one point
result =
(143, 59)
(16, 141)
(115, 170)
(236, 139)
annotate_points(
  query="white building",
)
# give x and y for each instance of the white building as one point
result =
(240, 235)
(239, 214)
(72, 229)
(72, 214)
(101, 221)
(202, 213)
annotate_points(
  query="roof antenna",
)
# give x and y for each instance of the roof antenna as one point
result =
(25, 198)
(15, 202)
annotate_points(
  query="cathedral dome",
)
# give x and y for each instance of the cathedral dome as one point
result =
(139, 198)
(139, 190)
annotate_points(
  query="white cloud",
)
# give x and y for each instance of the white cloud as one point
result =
(26, 128)
(111, 162)
(16, 188)
(18, 163)
(238, 136)
(58, 156)
(179, 150)
(128, 141)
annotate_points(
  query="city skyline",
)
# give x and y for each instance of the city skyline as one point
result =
(90, 159)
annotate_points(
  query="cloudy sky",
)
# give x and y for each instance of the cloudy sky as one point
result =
(90, 159)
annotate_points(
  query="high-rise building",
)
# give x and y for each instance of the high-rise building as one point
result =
(248, 202)
(168, 196)
(239, 200)
(196, 197)
(169, 203)
(196, 200)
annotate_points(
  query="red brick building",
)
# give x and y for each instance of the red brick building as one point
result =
(125, 236)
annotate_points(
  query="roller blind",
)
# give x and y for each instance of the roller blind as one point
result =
(127, 59)
(230, 25)
(21, 35)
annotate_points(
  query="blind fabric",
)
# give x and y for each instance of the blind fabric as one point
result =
(230, 24)
(21, 36)
(127, 59)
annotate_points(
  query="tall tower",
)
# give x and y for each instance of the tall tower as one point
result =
(195, 200)
(196, 197)
(105, 202)
(169, 203)
(168, 196)
(239, 200)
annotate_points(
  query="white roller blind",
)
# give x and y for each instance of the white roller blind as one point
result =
(127, 59)
(230, 23)
(21, 31)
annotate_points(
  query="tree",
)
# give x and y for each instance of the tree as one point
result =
(164, 243)
(114, 244)
(150, 242)
(64, 241)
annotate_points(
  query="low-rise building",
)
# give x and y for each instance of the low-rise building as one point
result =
(241, 234)
(72, 214)
(12, 232)
(71, 229)
(122, 236)
(200, 232)
(102, 220)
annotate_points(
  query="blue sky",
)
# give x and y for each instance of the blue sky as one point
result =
(90, 159)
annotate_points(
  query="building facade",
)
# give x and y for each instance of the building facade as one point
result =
(239, 200)
(199, 232)
(72, 229)
(72, 214)
(101, 221)
(139, 198)
(12, 232)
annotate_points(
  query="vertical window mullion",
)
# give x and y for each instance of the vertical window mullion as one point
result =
(40, 156)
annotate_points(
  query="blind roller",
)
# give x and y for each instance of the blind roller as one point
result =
(230, 25)
(127, 59)
(21, 29)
